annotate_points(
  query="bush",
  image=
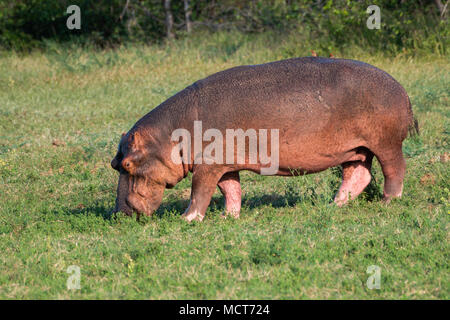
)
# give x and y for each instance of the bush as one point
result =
(405, 25)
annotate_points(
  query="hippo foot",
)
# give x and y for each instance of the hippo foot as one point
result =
(191, 216)
(388, 199)
(230, 187)
(356, 177)
(232, 214)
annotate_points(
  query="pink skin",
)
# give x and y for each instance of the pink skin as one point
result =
(230, 187)
(201, 193)
(356, 177)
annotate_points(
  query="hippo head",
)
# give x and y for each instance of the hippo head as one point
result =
(143, 174)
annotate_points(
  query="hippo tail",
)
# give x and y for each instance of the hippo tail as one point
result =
(413, 127)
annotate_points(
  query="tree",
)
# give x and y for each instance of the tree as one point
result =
(442, 8)
(187, 15)
(169, 20)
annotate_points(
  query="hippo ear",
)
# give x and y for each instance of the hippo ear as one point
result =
(138, 139)
(122, 138)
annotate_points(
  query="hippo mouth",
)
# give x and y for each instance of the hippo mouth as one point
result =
(137, 203)
(125, 208)
(122, 204)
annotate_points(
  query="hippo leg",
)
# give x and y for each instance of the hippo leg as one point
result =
(355, 178)
(393, 166)
(204, 183)
(230, 187)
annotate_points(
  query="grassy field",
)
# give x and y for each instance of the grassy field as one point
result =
(61, 116)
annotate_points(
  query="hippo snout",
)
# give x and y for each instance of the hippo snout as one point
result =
(122, 195)
(125, 208)
(138, 204)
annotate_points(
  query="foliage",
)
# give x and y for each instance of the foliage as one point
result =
(406, 25)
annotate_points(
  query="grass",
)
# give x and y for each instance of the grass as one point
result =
(61, 116)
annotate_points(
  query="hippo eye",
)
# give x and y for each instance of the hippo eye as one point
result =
(126, 164)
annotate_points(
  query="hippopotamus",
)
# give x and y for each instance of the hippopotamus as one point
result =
(320, 113)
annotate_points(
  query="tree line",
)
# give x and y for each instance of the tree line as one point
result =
(25, 24)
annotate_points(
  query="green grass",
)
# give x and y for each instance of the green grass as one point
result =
(61, 116)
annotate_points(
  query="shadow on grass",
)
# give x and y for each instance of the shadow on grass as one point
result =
(289, 199)
(97, 209)
(372, 192)
(178, 206)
